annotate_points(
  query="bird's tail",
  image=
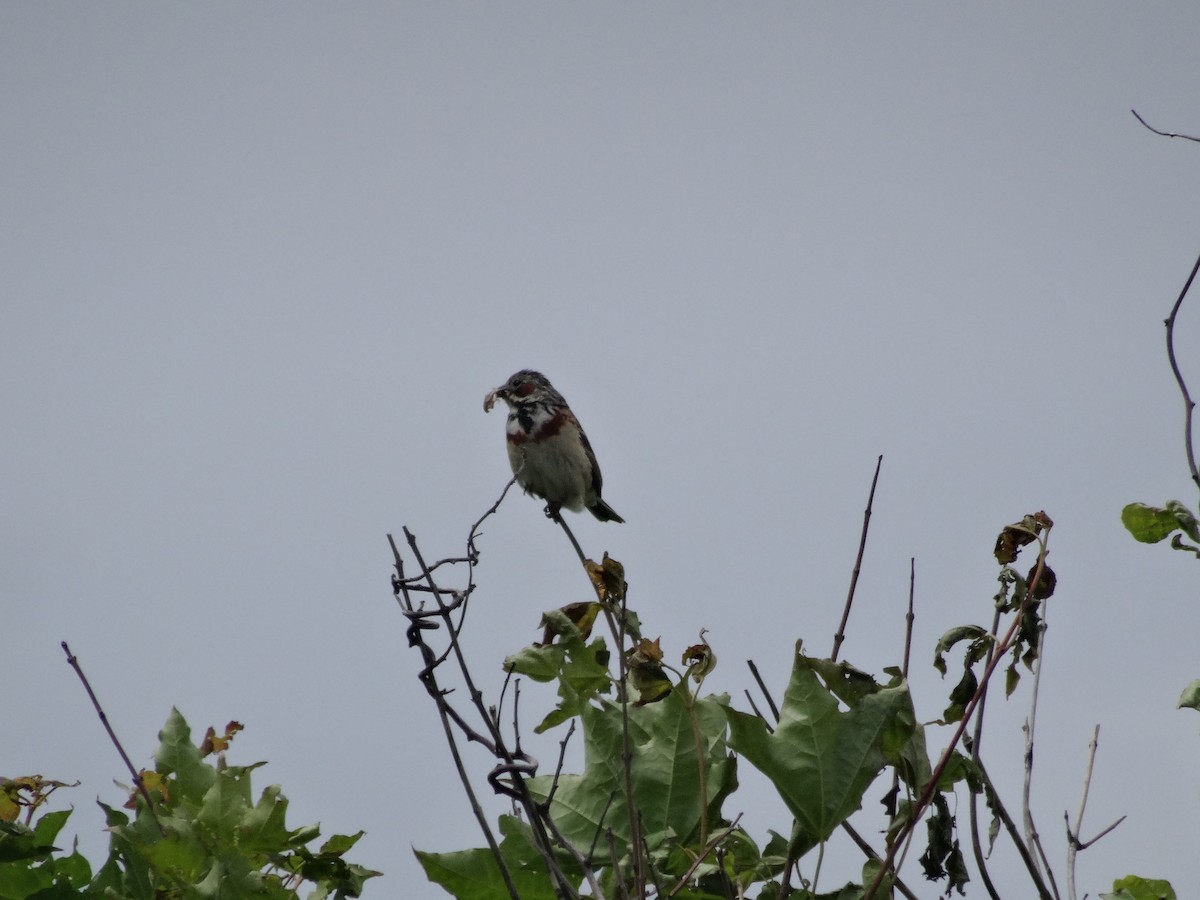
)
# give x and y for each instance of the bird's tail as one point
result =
(604, 512)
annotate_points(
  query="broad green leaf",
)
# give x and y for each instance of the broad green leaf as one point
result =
(49, 825)
(178, 756)
(1131, 887)
(1191, 696)
(225, 804)
(580, 669)
(665, 771)
(18, 842)
(541, 662)
(340, 843)
(475, 874)
(820, 759)
(1151, 524)
(19, 880)
(262, 827)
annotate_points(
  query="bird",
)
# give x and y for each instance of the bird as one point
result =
(549, 453)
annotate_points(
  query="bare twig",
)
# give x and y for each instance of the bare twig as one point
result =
(1171, 134)
(1031, 832)
(758, 712)
(1014, 833)
(654, 878)
(870, 853)
(574, 543)
(908, 629)
(1188, 403)
(862, 546)
(509, 776)
(930, 788)
(762, 686)
(562, 754)
(137, 777)
(703, 854)
(976, 742)
(616, 626)
(910, 617)
(1074, 844)
(428, 678)
(622, 889)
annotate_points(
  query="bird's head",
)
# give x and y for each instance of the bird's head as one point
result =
(526, 386)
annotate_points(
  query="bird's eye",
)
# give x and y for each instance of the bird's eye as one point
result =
(524, 389)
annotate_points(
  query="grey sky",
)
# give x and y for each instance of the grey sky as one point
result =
(260, 263)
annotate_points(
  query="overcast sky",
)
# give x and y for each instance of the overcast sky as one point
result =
(259, 264)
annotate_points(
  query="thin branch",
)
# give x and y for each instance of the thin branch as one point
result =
(908, 630)
(976, 742)
(1011, 827)
(562, 755)
(429, 679)
(910, 617)
(1171, 134)
(762, 686)
(700, 857)
(509, 776)
(137, 778)
(870, 853)
(654, 877)
(1083, 845)
(622, 888)
(1074, 844)
(758, 712)
(1072, 835)
(862, 546)
(1188, 403)
(1031, 832)
(557, 517)
(616, 626)
(930, 788)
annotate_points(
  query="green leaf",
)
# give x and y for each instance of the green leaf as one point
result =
(1186, 519)
(541, 662)
(340, 843)
(49, 825)
(1190, 696)
(821, 759)
(178, 756)
(665, 770)
(1131, 887)
(1151, 524)
(960, 633)
(475, 874)
(18, 842)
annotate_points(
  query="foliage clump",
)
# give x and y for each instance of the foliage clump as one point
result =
(190, 829)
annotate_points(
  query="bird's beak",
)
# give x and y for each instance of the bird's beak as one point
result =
(490, 400)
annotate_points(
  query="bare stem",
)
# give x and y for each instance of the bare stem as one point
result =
(703, 854)
(930, 788)
(976, 743)
(1171, 134)
(1074, 844)
(1188, 403)
(1031, 833)
(762, 686)
(137, 778)
(1014, 833)
(862, 546)
(616, 626)
(910, 617)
